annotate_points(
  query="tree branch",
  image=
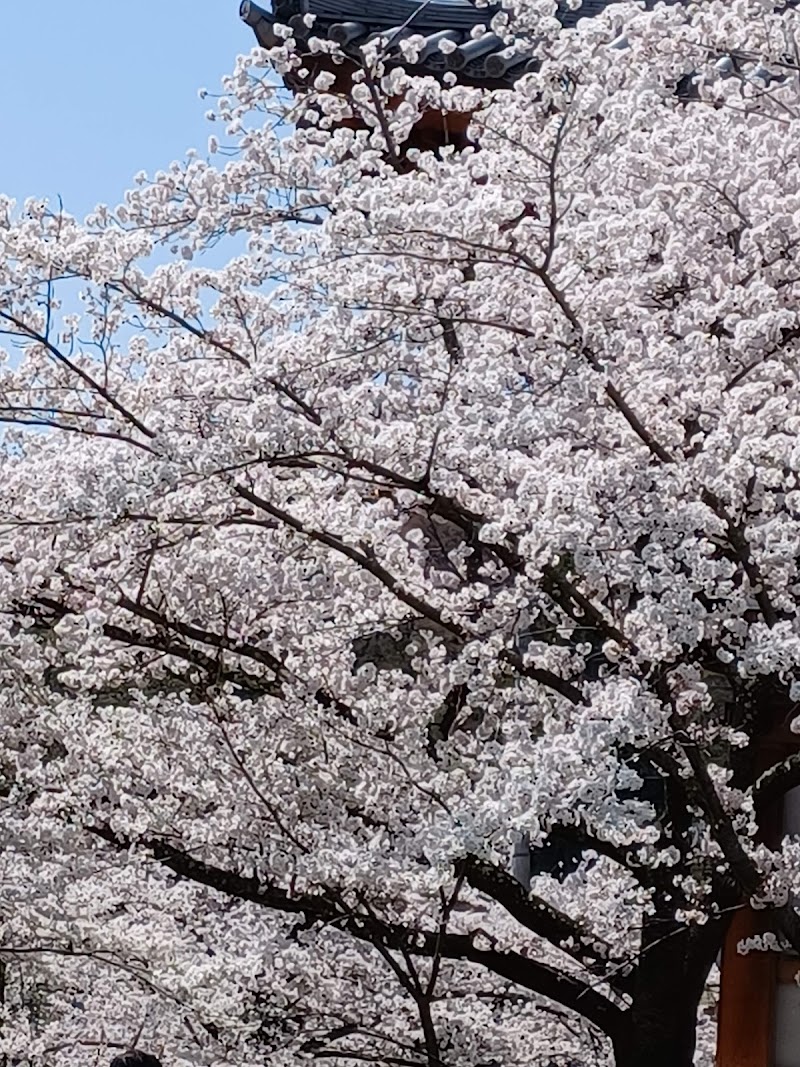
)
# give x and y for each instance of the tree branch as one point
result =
(566, 989)
(775, 782)
(389, 581)
(537, 915)
(59, 357)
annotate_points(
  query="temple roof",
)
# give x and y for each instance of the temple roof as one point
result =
(479, 56)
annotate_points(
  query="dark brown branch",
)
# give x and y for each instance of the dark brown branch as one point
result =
(739, 552)
(537, 915)
(220, 346)
(566, 989)
(207, 637)
(722, 828)
(87, 379)
(775, 782)
(388, 580)
(162, 642)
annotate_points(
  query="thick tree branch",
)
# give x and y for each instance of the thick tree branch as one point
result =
(566, 989)
(245, 649)
(564, 593)
(775, 782)
(537, 915)
(164, 641)
(389, 581)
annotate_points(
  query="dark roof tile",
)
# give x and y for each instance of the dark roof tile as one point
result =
(478, 57)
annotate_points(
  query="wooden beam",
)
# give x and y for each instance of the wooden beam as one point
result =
(747, 995)
(748, 982)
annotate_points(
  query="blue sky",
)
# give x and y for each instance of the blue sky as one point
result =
(92, 91)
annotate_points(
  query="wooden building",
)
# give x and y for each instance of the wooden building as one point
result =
(759, 1004)
(472, 52)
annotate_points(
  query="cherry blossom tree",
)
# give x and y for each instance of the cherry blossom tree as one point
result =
(459, 505)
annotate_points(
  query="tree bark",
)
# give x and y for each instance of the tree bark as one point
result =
(660, 1027)
(660, 1035)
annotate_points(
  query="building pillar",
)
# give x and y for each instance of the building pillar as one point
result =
(746, 998)
(759, 1003)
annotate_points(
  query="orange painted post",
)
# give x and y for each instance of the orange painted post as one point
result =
(748, 983)
(747, 993)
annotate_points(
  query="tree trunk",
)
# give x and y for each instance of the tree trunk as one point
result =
(659, 1034)
(660, 1028)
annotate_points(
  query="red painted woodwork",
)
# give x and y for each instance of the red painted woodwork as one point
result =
(747, 986)
(748, 982)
